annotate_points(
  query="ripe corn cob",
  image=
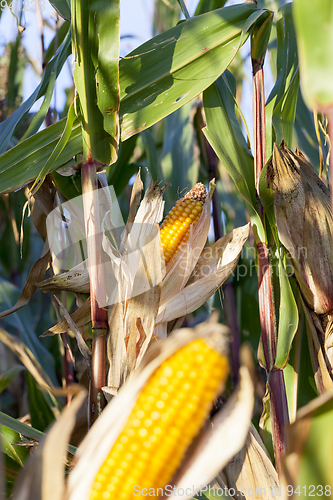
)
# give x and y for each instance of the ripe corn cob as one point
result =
(168, 414)
(175, 229)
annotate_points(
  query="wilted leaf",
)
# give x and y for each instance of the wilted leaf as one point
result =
(252, 470)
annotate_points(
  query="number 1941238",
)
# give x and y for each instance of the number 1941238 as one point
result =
(310, 490)
(24, 5)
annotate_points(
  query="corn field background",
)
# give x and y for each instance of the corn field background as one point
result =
(173, 110)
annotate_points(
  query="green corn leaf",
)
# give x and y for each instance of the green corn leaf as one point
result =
(39, 405)
(7, 127)
(63, 7)
(308, 461)
(155, 80)
(118, 171)
(166, 72)
(298, 373)
(10, 441)
(7, 376)
(24, 162)
(57, 150)
(207, 5)
(24, 429)
(95, 28)
(224, 133)
(57, 40)
(260, 37)
(306, 134)
(180, 162)
(39, 118)
(288, 312)
(282, 101)
(314, 30)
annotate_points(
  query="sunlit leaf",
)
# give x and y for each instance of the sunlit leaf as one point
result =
(95, 36)
(23, 163)
(282, 101)
(161, 75)
(7, 127)
(224, 133)
(314, 30)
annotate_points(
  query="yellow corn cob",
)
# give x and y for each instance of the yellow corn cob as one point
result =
(175, 229)
(168, 414)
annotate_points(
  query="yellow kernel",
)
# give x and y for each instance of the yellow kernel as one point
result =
(110, 462)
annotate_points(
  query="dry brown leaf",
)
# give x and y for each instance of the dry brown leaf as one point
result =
(251, 470)
(81, 317)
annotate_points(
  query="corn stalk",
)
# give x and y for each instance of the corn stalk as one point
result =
(95, 40)
(275, 380)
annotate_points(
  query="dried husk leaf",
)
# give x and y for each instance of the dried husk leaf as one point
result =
(43, 475)
(95, 447)
(251, 468)
(322, 368)
(303, 217)
(75, 280)
(224, 253)
(131, 326)
(132, 320)
(214, 266)
(81, 317)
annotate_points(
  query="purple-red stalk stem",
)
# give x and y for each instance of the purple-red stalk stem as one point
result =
(277, 391)
(98, 314)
